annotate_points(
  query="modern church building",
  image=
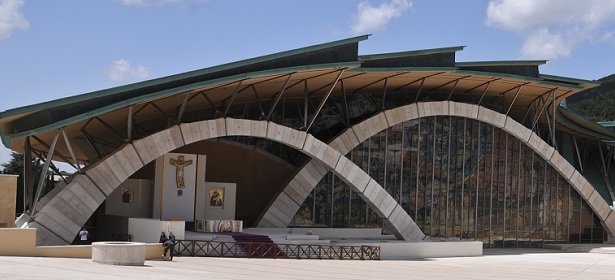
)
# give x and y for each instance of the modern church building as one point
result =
(414, 144)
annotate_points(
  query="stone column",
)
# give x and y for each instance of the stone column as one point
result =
(8, 189)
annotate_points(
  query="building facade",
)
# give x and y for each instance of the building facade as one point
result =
(415, 143)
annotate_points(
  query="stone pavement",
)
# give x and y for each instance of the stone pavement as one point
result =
(596, 262)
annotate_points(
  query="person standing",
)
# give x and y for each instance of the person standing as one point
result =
(83, 235)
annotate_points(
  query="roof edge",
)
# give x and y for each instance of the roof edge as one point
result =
(162, 80)
(410, 53)
(161, 94)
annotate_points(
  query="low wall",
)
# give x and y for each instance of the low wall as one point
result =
(325, 233)
(396, 250)
(23, 244)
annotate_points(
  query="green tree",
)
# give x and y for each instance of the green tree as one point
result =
(16, 166)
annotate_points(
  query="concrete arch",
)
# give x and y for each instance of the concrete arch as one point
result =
(62, 217)
(305, 180)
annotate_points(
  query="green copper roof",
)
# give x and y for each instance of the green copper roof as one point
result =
(332, 52)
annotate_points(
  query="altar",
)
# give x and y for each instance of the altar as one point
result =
(218, 226)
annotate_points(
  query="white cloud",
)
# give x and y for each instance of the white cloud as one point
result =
(553, 28)
(11, 18)
(369, 18)
(122, 70)
(157, 2)
(5, 155)
(543, 44)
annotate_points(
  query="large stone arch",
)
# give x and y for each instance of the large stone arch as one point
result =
(62, 217)
(306, 179)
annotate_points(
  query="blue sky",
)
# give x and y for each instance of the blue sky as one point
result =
(60, 48)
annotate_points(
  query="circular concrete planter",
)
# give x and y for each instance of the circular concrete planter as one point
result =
(118, 253)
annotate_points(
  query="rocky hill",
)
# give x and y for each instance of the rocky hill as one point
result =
(597, 104)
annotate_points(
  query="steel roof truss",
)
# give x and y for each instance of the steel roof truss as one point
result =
(63, 157)
(324, 99)
(533, 105)
(453, 89)
(258, 101)
(183, 107)
(129, 125)
(551, 130)
(605, 171)
(418, 93)
(384, 93)
(229, 101)
(70, 149)
(514, 99)
(345, 100)
(90, 142)
(43, 173)
(117, 133)
(379, 80)
(53, 167)
(542, 109)
(211, 103)
(486, 84)
(414, 81)
(576, 149)
(305, 103)
(453, 81)
(274, 102)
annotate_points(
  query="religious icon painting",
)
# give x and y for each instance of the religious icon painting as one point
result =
(216, 197)
(126, 195)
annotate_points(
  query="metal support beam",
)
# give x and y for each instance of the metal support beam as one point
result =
(28, 182)
(305, 103)
(533, 105)
(550, 130)
(70, 149)
(384, 94)
(605, 173)
(231, 99)
(609, 157)
(91, 143)
(41, 178)
(119, 135)
(553, 126)
(277, 98)
(63, 157)
(346, 110)
(484, 92)
(258, 101)
(513, 101)
(452, 90)
(129, 125)
(576, 148)
(418, 93)
(40, 154)
(541, 110)
(180, 114)
(324, 99)
(602, 159)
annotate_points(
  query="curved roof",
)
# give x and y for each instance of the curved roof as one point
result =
(299, 87)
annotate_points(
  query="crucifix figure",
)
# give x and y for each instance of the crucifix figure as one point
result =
(180, 163)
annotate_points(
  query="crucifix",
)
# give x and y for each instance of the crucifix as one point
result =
(179, 164)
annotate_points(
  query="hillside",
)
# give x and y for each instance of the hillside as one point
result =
(597, 104)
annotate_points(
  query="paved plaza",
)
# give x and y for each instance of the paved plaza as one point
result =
(577, 263)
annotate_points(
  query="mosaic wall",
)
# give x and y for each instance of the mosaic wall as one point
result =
(459, 178)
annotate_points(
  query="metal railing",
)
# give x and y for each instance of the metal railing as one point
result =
(274, 251)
